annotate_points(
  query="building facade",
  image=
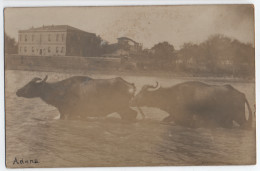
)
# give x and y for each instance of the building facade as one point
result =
(57, 40)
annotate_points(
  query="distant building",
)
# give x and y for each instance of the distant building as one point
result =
(124, 47)
(129, 46)
(57, 40)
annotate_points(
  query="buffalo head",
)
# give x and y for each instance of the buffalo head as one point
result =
(32, 89)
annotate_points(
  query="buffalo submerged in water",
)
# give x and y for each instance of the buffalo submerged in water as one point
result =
(81, 96)
(196, 104)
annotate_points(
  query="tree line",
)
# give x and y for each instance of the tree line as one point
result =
(217, 56)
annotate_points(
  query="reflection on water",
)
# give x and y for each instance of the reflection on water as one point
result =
(32, 132)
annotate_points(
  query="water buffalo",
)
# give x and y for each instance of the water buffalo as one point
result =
(196, 104)
(81, 96)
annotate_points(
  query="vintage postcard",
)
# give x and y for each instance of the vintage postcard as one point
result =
(130, 86)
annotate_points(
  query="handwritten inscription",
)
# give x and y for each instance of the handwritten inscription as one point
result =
(25, 161)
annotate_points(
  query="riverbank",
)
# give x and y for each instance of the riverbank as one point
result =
(102, 65)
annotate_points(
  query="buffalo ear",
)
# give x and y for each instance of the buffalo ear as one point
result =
(46, 77)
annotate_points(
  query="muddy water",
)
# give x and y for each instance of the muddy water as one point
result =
(33, 132)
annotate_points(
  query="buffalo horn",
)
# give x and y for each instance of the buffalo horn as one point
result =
(36, 79)
(153, 88)
(46, 77)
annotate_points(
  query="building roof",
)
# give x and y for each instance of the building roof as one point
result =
(53, 28)
(128, 39)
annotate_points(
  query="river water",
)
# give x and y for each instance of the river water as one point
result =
(34, 132)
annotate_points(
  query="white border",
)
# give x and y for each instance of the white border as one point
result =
(33, 3)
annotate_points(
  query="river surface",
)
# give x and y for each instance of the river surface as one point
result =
(34, 132)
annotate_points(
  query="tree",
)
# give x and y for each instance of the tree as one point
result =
(11, 46)
(163, 51)
(163, 55)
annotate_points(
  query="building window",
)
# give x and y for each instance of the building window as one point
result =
(32, 37)
(49, 49)
(57, 49)
(25, 49)
(57, 37)
(20, 38)
(25, 38)
(62, 49)
(62, 37)
(49, 37)
(32, 49)
(20, 49)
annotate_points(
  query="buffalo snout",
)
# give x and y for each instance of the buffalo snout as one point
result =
(19, 93)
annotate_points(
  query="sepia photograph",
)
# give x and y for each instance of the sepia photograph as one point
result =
(120, 86)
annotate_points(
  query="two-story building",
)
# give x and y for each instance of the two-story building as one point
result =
(57, 40)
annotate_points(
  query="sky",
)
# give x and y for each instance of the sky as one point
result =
(145, 24)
